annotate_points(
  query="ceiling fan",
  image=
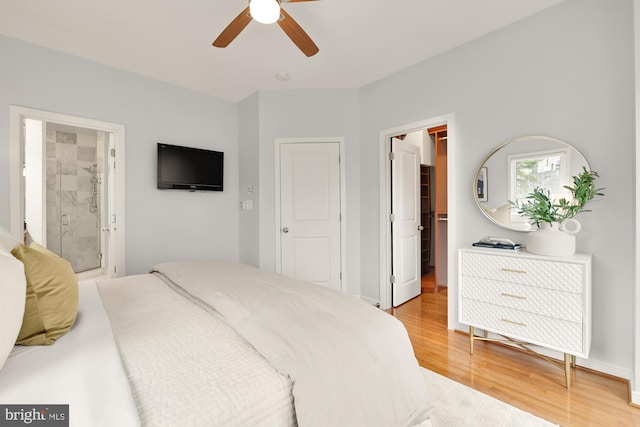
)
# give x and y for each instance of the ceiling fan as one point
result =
(268, 12)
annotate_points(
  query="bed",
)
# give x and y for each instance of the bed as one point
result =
(220, 343)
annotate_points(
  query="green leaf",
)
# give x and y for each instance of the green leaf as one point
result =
(539, 207)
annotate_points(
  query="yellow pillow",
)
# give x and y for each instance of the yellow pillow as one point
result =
(52, 295)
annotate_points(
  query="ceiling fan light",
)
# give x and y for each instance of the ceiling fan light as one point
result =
(265, 11)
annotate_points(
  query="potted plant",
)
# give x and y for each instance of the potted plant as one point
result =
(554, 219)
(539, 207)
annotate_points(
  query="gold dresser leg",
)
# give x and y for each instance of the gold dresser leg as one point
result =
(568, 359)
(471, 332)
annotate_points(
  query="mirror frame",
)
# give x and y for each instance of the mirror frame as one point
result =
(498, 148)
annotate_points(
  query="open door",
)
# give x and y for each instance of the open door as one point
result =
(405, 221)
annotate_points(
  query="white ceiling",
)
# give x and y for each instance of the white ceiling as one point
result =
(171, 40)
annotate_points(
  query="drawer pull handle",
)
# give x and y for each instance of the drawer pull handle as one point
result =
(510, 270)
(504, 294)
(514, 322)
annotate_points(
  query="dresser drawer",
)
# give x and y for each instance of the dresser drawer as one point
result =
(547, 302)
(533, 328)
(564, 276)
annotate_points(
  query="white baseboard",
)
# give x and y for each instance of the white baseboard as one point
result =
(595, 365)
(370, 301)
(606, 368)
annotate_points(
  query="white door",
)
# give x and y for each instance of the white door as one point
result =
(405, 226)
(104, 185)
(310, 213)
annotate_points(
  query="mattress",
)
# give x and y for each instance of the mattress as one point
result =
(220, 343)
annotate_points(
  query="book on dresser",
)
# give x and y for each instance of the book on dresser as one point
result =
(507, 246)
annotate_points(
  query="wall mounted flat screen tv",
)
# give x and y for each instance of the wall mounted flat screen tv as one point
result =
(186, 168)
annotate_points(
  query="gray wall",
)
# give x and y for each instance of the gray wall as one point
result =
(305, 114)
(566, 72)
(249, 145)
(161, 225)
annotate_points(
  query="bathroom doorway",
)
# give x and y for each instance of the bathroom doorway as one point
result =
(69, 190)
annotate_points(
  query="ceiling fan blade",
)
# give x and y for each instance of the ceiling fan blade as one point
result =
(297, 34)
(233, 29)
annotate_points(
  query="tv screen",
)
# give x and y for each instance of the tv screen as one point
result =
(186, 168)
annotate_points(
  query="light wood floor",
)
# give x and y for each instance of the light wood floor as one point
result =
(513, 376)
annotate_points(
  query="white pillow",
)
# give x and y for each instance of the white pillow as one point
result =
(13, 292)
(7, 241)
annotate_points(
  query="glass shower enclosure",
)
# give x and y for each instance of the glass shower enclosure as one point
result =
(74, 185)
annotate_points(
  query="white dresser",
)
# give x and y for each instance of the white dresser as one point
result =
(528, 298)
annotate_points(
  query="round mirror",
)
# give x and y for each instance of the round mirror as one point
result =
(511, 172)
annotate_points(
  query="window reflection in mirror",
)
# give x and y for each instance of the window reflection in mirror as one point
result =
(532, 170)
(517, 167)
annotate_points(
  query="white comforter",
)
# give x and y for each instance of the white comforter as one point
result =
(350, 363)
(187, 367)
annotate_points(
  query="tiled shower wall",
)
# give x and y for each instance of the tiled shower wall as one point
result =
(73, 189)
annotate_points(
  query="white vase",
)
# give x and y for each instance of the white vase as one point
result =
(555, 239)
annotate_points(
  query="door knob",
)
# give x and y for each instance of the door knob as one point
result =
(420, 227)
(285, 229)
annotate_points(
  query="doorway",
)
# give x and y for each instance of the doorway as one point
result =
(66, 193)
(310, 220)
(441, 249)
(67, 214)
(438, 138)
